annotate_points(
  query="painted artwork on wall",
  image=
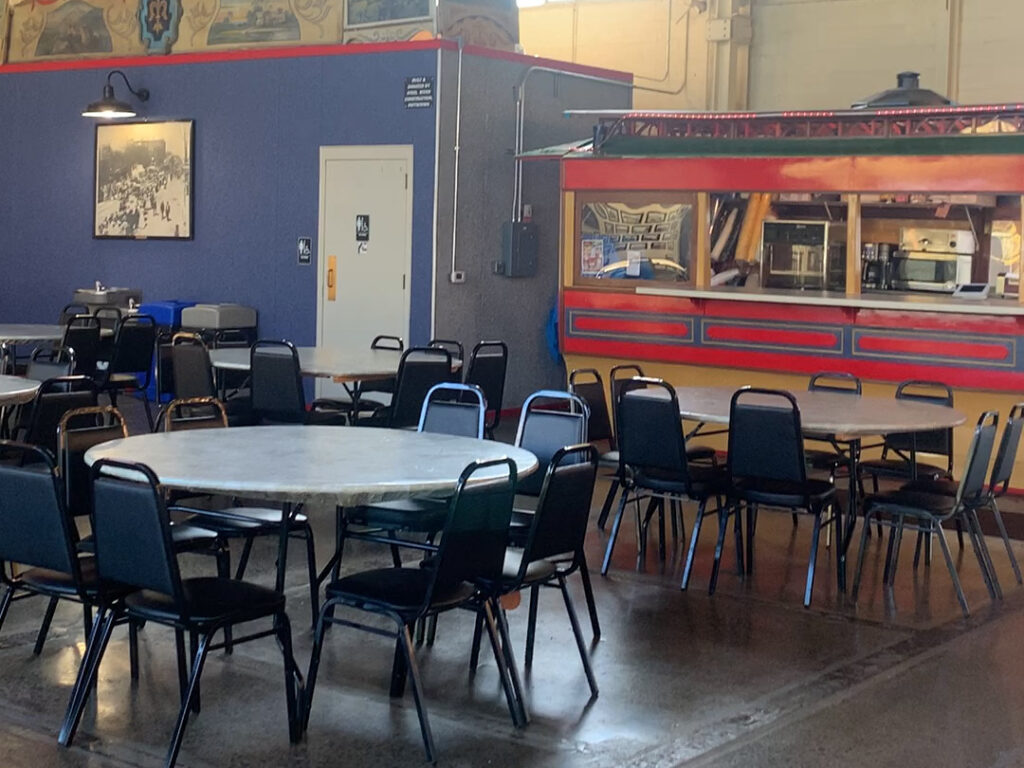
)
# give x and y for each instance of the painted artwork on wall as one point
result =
(253, 21)
(143, 183)
(74, 28)
(362, 12)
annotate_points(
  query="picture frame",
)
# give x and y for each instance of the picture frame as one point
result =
(143, 182)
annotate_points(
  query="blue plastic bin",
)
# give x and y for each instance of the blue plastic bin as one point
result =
(166, 313)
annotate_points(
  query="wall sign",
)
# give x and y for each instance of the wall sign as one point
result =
(305, 250)
(419, 92)
(362, 227)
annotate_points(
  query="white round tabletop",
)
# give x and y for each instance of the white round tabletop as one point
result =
(829, 413)
(321, 362)
(20, 333)
(17, 389)
(339, 465)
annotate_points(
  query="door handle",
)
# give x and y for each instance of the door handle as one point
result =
(332, 282)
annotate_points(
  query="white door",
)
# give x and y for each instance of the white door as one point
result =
(365, 248)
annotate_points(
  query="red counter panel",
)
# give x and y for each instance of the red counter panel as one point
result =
(968, 351)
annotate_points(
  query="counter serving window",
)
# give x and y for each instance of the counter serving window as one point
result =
(624, 237)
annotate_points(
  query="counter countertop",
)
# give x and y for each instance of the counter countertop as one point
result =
(914, 302)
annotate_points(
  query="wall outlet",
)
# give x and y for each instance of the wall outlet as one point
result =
(498, 267)
(457, 276)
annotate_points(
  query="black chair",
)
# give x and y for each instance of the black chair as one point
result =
(767, 468)
(654, 464)
(471, 554)
(448, 409)
(928, 510)
(236, 522)
(134, 548)
(383, 386)
(899, 451)
(53, 399)
(192, 376)
(419, 369)
(82, 335)
(277, 392)
(69, 311)
(457, 352)
(131, 361)
(550, 420)
(38, 534)
(554, 545)
(50, 362)
(488, 363)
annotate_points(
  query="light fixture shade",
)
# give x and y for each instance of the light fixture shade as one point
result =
(110, 107)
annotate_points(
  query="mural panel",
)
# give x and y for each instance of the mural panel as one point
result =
(489, 23)
(74, 29)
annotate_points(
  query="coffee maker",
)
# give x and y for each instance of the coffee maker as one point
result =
(875, 266)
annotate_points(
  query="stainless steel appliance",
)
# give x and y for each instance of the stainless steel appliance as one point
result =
(803, 254)
(932, 259)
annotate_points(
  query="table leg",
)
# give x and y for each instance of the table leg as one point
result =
(853, 499)
(287, 511)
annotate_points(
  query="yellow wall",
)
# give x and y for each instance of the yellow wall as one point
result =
(804, 54)
(970, 403)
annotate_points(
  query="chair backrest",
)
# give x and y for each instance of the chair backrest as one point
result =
(618, 377)
(839, 382)
(488, 363)
(71, 310)
(559, 522)
(191, 370)
(134, 343)
(544, 431)
(48, 363)
(132, 529)
(384, 341)
(276, 381)
(419, 369)
(454, 409)
(765, 433)
(972, 483)
(475, 536)
(455, 349)
(588, 384)
(192, 413)
(53, 399)
(82, 335)
(1006, 456)
(936, 441)
(650, 434)
(78, 431)
(34, 529)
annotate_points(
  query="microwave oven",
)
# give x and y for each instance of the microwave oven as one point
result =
(929, 271)
(803, 254)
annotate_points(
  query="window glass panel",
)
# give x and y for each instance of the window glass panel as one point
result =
(630, 241)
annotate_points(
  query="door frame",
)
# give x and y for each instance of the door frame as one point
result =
(361, 152)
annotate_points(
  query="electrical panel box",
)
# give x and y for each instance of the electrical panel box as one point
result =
(518, 249)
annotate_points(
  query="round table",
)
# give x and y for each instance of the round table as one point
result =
(343, 466)
(321, 362)
(17, 389)
(22, 333)
(829, 413)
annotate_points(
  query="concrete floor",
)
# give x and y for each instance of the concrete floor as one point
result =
(746, 677)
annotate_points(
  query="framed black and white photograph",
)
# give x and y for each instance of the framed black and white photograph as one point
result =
(144, 180)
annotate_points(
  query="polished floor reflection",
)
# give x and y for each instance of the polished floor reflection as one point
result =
(744, 678)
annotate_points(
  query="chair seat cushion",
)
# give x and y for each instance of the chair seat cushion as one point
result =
(57, 582)
(242, 520)
(939, 486)
(784, 493)
(538, 570)
(401, 589)
(121, 380)
(915, 503)
(422, 515)
(900, 468)
(210, 600)
(705, 480)
(328, 418)
(825, 459)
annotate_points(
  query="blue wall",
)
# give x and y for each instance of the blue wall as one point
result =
(258, 128)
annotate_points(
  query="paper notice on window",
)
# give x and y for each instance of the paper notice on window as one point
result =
(632, 263)
(591, 256)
